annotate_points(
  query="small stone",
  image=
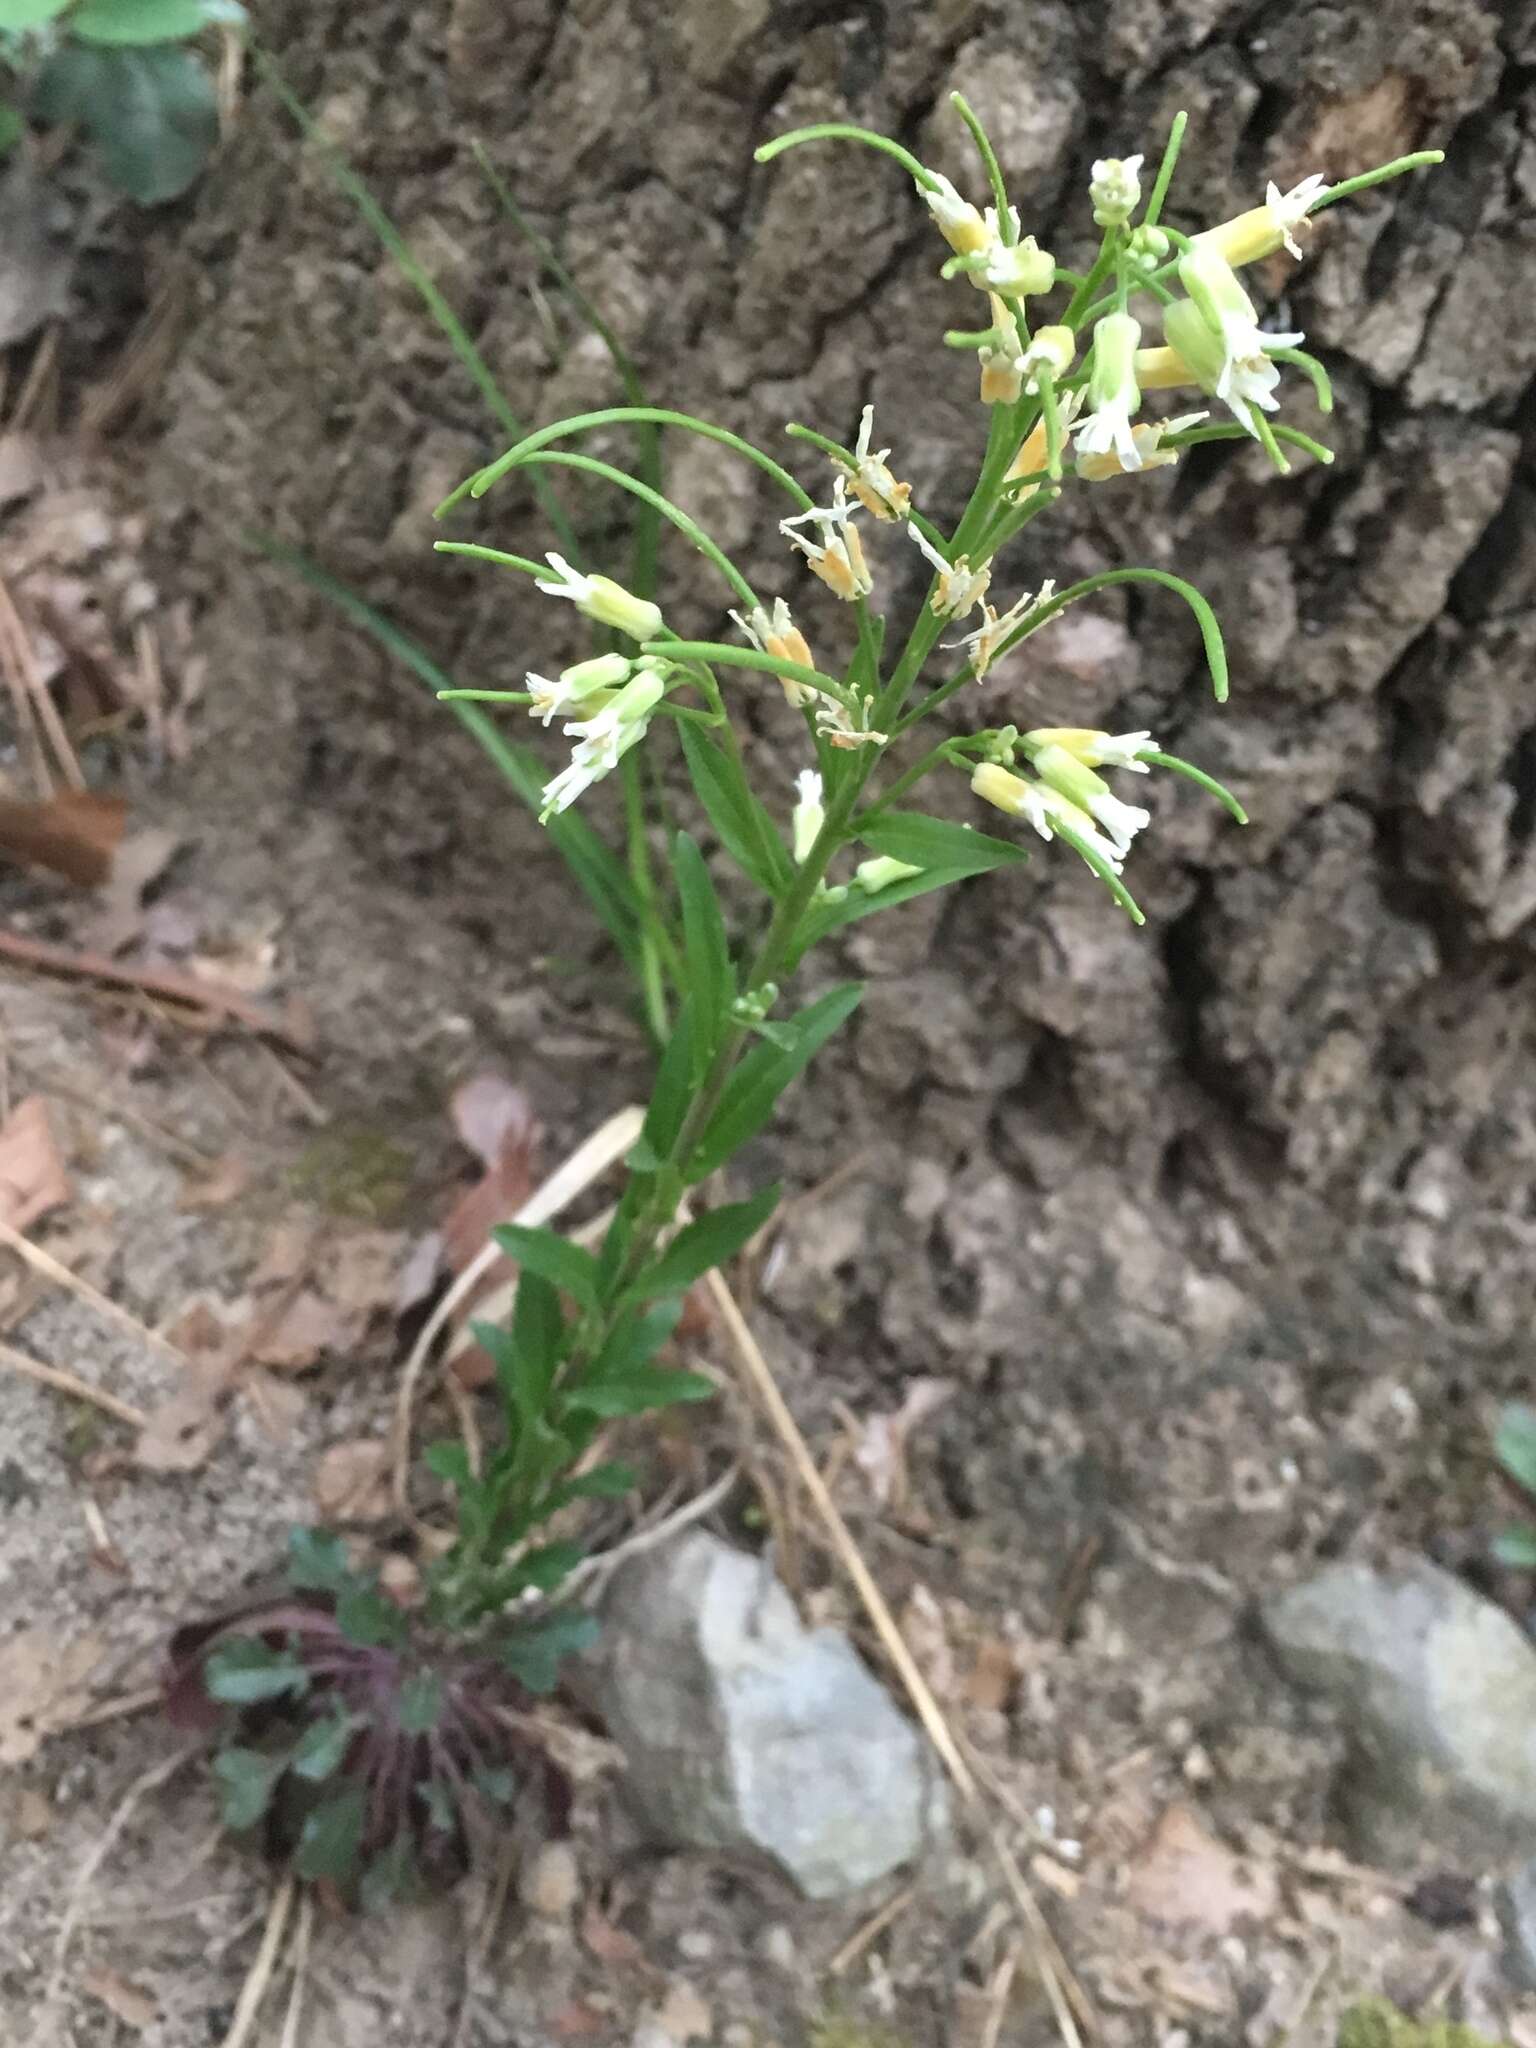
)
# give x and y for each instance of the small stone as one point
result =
(776, 1945)
(696, 1945)
(551, 1881)
(1515, 1904)
(747, 1732)
(1437, 1688)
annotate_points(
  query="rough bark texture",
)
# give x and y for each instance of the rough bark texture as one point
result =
(1313, 1068)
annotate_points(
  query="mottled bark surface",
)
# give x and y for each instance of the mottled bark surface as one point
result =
(1311, 1072)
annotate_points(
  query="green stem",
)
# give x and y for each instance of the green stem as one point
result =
(652, 987)
(683, 521)
(619, 415)
(1007, 227)
(1398, 166)
(748, 657)
(1165, 169)
(908, 780)
(846, 131)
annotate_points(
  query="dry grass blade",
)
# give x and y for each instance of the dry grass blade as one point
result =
(49, 1267)
(66, 1383)
(871, 1931)
(301, 1934)
(254, 1989)
(604, 1148)
(597, 1571)
(151, 1781)
(1060, 1985)
(20, 646)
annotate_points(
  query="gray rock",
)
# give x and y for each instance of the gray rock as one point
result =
(1438, 1692)
(746, 1732)
(1515, 1904)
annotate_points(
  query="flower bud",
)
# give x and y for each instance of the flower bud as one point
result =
(1147, 249)
(808, 816)
(874, 875)
(1116, 190)
(1000, 788)
(612, 605)
(603, 672)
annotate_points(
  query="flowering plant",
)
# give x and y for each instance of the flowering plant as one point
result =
(1064, 386)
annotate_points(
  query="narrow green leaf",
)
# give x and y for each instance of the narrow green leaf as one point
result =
(553, 1258)
(12, 128)
(1517, 1547)
(448, 1458)
(526, 1367)
(137, 21)
(244, 1669)
(705, 1243)
(856, 904)
(706, 952)
(535, 1654)
(541, 1569)
(329, 1841)
(1514, 1444)
(321, 1748)
(635, 1338)
(746, 831)
(671, 1096)
(925, 842)
(596, 870)
(247, 1780)
(639, 1392)
(755, 1087)
(603, 1482)
(421, 1703)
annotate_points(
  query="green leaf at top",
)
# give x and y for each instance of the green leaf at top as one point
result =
(1514, 1444)
(642, 1391)
(247, 1780)
(924, 842)
(705, 1243)
(318, 1753)
(420, 1705)
(151, 113)
(147, 21)
(1517, 1547)
(329, 1842)
(535, 1654)
(19, 14)
(369, 1618)
(746, 831)
(554, 1257)
(753, 1090)
(707, 955)
(244, 1670)
(317, 1561)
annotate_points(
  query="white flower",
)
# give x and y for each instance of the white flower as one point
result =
(1113, 392)
(779, 636)
(838, 727)
(1148, 436)
(873, 484)
(1121, 821)
(1246, 373)
(1068, 776)
(603, 739)
(552, 695)
(809, 815)
(1051, 350)
(1014, 268)
(1095, 749)
(600, 598)
(1032, 456)
(960, 586)
(1244, 383)
(995, 628)
(1001, 355)
(1289, 209)
(838, 556)
(958, 221)
(1116, 189)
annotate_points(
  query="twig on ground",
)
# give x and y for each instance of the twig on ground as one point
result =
(259, 1977)
(301, 1933)
(997, 1998)
(190, 989)
(66, 1383)
(606, 1146)
(597, 1571)
(51, 1269)
(1061, 1987)
(118, 1709)
(871, 1931)
(15, 633)
(151, 1780)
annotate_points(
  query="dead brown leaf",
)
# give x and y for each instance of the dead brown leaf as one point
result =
(994, 1676)
(881, 1452)
(225, 1180)
(1185, 1876)
(125, 2001)
(610, 1944)
(118, 919)
(43, 1688)
(351, 1482)
(33, 1179)
(74, 833)
(305, 1328)
(683, 2016)
(578, 2021)
(495, 1120)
